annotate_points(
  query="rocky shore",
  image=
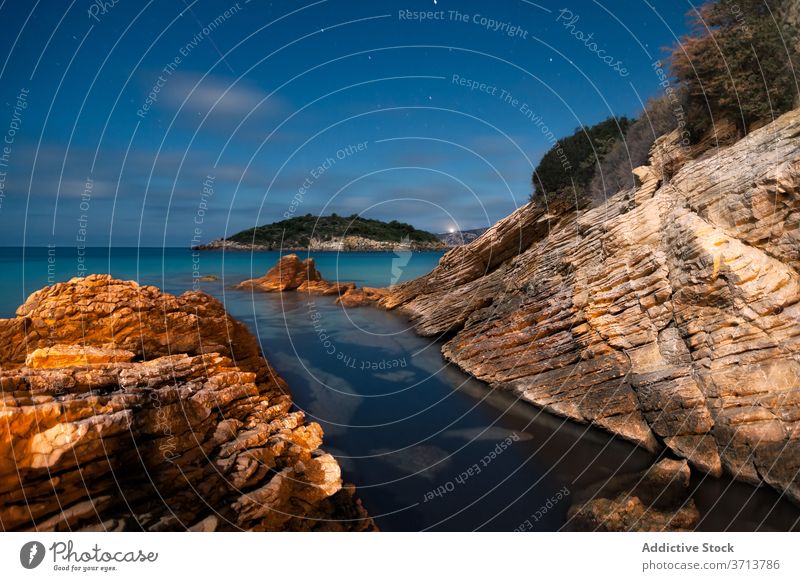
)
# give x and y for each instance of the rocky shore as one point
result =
(336, 244)
(125, 408)
(670, 315)
(291, 273)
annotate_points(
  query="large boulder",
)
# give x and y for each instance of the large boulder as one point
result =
(124, 408)
(292, 274)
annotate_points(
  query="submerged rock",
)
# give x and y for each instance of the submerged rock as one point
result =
(359, 297)
(670, 315)
(124, 408)
(654, 500)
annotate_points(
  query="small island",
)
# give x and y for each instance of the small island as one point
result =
(330, 233)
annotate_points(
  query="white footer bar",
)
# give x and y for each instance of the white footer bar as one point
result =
(413, 556)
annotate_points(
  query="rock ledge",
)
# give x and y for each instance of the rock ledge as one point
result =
(124, 408)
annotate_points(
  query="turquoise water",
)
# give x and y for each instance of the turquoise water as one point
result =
(176, 269)
(428, 447)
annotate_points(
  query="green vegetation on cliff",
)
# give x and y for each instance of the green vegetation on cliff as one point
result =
(571, 163)
(297, 232)
(735, 72)
(739, 64)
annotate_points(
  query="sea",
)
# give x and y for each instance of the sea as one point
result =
(427, 446)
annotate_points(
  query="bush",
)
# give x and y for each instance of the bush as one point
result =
(572, 161)
(660, 116)
(739, 65)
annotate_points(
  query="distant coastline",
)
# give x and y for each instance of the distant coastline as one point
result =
(346, 244)
(336, 233)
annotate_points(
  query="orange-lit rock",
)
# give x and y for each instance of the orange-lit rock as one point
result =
(293, 274)
(670, 315)
(72, 355)
(359, 297)
(134, 409)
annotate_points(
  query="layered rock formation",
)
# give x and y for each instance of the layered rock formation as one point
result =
(292, 274)
(124, 408)
(670, 315)
(362, 296)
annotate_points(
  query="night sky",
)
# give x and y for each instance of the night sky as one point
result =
(157, 123)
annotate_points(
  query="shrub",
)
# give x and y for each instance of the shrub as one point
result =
(572, 161)
(738, 67)
(660, 116)
(739, 64)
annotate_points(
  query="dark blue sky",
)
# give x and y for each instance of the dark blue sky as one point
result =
(259, 96)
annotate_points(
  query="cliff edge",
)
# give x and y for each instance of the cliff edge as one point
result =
(670, 315)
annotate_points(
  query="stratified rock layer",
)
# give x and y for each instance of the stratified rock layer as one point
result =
(669, 316)
(292, 274)
(124, 408)
(360, 297)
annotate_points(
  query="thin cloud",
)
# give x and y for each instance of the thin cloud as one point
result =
(221, 96)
